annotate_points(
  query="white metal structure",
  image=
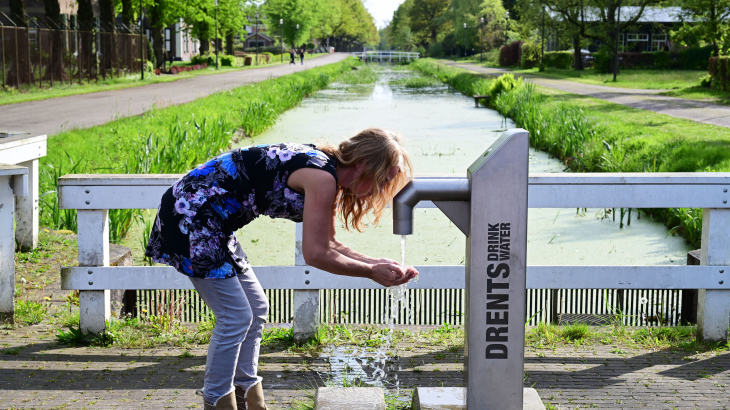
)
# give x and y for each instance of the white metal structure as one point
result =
(13, 184)
(388, 56)
(94, 195)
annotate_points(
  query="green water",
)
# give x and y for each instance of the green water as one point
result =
(445, 133)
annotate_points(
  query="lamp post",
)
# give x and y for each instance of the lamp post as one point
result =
(141, 39)
(618, 24)
(464, 40)
(481, 42)
(542, 41)
(506, 26)
(295, 41)
(256, 22)
(281, 30)
(216, 34)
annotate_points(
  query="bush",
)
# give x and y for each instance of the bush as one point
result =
(206, 58)
(227, 61)
(421, 50)
(151, 54)
(436, 50)
(603, 61)
(559, 59)
(530, 55)
(720, 71)
(503, 83)
(706, 81)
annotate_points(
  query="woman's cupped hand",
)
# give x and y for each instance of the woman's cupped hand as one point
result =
(388, 272)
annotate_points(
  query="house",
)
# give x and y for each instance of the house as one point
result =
(649, 33)
(258, 40)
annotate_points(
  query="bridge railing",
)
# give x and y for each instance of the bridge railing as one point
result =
(94, 195)
(388, 56)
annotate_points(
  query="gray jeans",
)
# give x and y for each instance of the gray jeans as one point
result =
(240, 307)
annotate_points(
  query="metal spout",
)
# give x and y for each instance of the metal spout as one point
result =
(425, 189)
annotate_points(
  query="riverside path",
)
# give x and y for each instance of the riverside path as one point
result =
(81, 111)
(649, 100)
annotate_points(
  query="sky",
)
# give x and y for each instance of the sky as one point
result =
(382, 10)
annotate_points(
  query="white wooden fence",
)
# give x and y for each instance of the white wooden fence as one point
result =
(388, 56)
(94, 195)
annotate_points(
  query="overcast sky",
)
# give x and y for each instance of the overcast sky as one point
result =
(382, 10)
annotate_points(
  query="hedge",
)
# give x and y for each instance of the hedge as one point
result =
(510, 55)
(559, 59)
(530, 55)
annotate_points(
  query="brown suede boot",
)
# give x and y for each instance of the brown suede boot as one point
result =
(227, 402)
(251, 400)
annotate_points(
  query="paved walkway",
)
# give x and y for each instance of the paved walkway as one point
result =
(643, 99)
(80, 111)
(35, 373)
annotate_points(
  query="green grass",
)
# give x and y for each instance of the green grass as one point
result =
(34, 93)
(627, 78)
(174, 139)
(592, 135)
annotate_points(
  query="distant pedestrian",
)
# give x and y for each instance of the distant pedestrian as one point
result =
(301, 55)
(293, 56)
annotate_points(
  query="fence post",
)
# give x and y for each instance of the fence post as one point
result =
(93, 238)
(713, 306)
(26, 232)
(306, 302)
(2, 41)
(7, 252)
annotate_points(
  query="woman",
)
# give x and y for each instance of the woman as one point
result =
(198, 215)
(301, 55)
(293, 56)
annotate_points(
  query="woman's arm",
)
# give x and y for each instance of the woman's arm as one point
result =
(317, 249)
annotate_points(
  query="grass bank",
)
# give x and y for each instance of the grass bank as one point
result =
(35, 93)
(592, 135)
(634, 78)
(171, 140)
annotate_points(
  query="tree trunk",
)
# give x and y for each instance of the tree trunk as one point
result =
(578, 56)
(17, 11)
(107, 14)
(204, 39)
(127, 12)
(229, 44)
(158, 39)
(87, 56)
(56, 69)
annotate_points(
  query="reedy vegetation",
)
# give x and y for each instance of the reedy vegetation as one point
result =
(596, 136)
(171, 140)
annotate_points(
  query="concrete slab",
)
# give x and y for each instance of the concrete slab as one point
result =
(350, 398)
(454, 398)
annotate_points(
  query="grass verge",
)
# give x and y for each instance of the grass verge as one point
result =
(34, 93)
(592, 135)
(634, 78)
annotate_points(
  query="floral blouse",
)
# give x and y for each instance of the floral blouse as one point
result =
(193, 231)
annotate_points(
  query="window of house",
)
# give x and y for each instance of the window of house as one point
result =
(658, 42)
(637, 42)
(186, 43)
(252, 43)
(167, 39)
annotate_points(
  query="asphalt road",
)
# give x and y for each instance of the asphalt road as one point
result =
(81, 111)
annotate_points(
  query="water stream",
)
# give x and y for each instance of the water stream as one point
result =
(444, 134)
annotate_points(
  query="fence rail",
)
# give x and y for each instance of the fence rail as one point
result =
(46, 57)
(389, 56)
(93, 195)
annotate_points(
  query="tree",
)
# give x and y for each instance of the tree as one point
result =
(426, 19)
(495, 22)
(293, 12)
(706, 20)
(53, 13)
(17, 11)
(107, 17)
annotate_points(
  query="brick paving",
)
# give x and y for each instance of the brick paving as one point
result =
(37, 373)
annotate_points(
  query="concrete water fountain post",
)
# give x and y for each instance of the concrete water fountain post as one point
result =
(490, 207)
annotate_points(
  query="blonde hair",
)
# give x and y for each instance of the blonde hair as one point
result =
(379, 149)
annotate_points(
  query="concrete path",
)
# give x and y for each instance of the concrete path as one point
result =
(643, 99)
(36, 373)
(80, 111)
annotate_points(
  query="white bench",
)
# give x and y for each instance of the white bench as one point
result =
(13, 185)
(94, 195)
